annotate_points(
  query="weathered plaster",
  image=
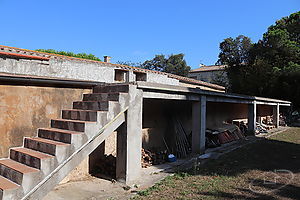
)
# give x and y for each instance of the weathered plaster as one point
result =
(24, 109)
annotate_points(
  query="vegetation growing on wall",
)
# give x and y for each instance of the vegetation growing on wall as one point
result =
(71, 54)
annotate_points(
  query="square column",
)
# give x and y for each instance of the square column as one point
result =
(276, 115)
(129, 76)
(129, 139)
(199, 125)
(252, 118)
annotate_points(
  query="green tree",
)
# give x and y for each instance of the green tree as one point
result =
(280, 49)
(235, 51)
(174, 64)
(158, 63)
(129, 63)
(71, 54)
(270, 67)
(235, 55)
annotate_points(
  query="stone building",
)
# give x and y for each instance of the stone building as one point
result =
(60, 115)
(210, 74)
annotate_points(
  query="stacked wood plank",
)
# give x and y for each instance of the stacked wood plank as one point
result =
(153, 158)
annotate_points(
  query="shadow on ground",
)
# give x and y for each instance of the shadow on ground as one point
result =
(272, 171)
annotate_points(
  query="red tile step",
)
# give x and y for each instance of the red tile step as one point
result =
(28, 157)
(43, 145)
(59, 135)
(111, 88)
(83, 115)
(91, 105)
(101, 97)
(72, 125)
(15, 171)
(5, 185)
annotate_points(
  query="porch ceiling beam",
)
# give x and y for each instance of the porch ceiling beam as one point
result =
(157, 95)
(227, 100)
(214, 96)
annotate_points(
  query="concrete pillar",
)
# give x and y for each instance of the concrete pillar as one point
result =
(276, 115)
(199, 125)
(130, 76)
(129, 139)
(252, 118)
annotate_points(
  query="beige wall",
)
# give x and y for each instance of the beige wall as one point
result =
(210, 76)
(156, 121)
(217, 113)
(26, 108)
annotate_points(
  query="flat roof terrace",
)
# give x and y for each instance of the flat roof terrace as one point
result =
(163, 91)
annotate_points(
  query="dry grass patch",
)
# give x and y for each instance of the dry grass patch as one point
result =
(266, 169)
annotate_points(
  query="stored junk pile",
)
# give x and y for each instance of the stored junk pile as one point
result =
(182, 144)
(153, 158)
(177, 144)
(226, 133)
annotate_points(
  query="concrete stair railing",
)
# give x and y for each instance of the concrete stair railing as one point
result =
(33, 170)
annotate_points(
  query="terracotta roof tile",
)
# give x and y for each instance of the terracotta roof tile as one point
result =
(209, 68)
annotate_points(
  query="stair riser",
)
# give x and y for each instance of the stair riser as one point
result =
(101, 97)
(28, 181)
(79, 115)
(25, 159)
(11, 174)
(40, 146)
(85, 105)
(45, 165)
(56, 136)
(107, 89)
(69, 166)
(76, 140)
(60, 151)
(67, 125)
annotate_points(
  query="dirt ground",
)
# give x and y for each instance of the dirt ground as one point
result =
(266, 169)
(257, 168)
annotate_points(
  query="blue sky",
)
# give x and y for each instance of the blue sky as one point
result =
(136, 30)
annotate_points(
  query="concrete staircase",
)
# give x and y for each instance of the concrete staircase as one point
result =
(33, 170)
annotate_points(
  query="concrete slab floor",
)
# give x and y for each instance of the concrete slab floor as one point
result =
(99, 189)
(93, 188)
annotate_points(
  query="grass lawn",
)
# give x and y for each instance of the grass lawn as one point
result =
(266, 169)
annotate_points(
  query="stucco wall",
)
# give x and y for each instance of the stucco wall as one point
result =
(24, 109)
(217, 113)
(160, 78)
(59, 69)
(210, 76)
(73, 69)
(156, 121)
(264, 110)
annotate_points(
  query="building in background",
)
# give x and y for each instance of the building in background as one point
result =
(211, 74)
